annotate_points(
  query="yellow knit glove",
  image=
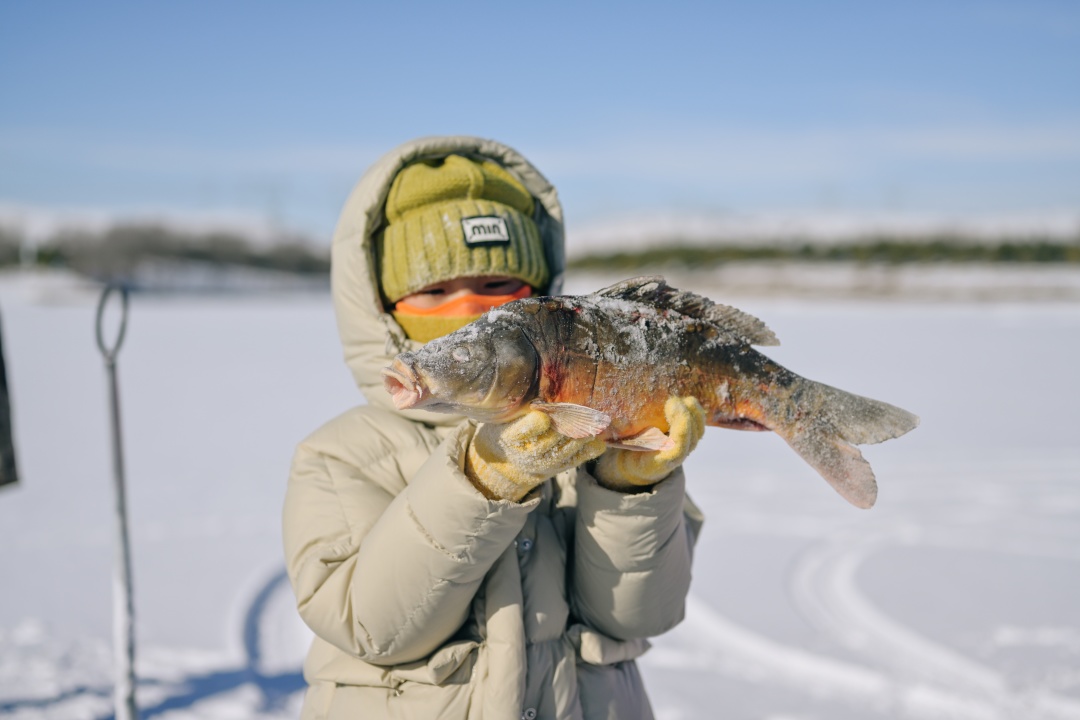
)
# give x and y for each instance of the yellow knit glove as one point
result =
(629, 469)
(506, 461)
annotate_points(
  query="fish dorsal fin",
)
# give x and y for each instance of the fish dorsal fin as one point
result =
(654, 290)
(574, 421)
(634, 288)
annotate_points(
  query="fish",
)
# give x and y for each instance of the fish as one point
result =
(603, 365)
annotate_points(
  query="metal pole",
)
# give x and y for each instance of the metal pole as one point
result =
(123, 602)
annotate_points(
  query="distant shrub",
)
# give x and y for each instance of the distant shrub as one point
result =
(875, 250)
(116, 254)
(9, 247)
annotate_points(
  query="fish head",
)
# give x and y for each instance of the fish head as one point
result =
(486, 371)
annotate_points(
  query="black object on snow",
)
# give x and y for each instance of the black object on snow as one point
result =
(8, 473)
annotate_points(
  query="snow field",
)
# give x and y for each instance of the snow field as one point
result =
(958, 596)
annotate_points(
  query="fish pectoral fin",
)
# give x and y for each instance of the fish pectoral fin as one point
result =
(649, 440)
(575, 421)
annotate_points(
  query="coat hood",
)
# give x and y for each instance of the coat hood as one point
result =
(369, 335)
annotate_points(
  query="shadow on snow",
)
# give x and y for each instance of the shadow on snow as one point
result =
(275, 688)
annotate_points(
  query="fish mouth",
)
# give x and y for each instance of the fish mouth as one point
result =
(403, 385)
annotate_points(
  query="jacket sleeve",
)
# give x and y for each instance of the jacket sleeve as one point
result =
(632, 553)
(390, 579)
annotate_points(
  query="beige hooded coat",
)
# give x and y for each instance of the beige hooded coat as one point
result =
(430, 601)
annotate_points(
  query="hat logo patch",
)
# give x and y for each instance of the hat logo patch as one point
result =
(485, 230)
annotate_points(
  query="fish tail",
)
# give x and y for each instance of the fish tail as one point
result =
(830, 424)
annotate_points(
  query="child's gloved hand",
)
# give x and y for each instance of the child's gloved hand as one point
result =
(629, 469)
(507, 461)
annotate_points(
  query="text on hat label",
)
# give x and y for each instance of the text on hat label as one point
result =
(485, 230)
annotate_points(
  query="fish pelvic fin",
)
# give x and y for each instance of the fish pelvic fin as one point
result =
(654, 290)
(574, 421)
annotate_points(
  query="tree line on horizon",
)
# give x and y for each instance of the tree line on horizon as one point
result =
(877, 250)
(115, 254)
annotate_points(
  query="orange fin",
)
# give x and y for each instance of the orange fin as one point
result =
(575, 421)
(647, 440)
(744, 424)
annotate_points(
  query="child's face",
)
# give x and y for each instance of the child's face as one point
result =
(442, 293)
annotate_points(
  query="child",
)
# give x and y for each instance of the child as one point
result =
(450, 570)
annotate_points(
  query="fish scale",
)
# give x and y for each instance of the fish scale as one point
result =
(605, 364)
(702, 359)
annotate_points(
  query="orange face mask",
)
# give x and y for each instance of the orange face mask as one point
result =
(426, 324)
(471, 304)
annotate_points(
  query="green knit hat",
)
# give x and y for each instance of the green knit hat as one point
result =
(454, 217)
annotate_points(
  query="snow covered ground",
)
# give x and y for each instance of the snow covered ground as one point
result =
(958, 596)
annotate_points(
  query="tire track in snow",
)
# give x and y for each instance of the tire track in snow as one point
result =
(826, 591)
(1011, 517)
(742, 652)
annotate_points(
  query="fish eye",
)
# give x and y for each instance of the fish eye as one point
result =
(460, 353)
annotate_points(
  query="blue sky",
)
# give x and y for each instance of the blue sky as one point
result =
(275, 109)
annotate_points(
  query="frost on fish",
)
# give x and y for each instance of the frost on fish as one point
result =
(653, 290)
(605, 364)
